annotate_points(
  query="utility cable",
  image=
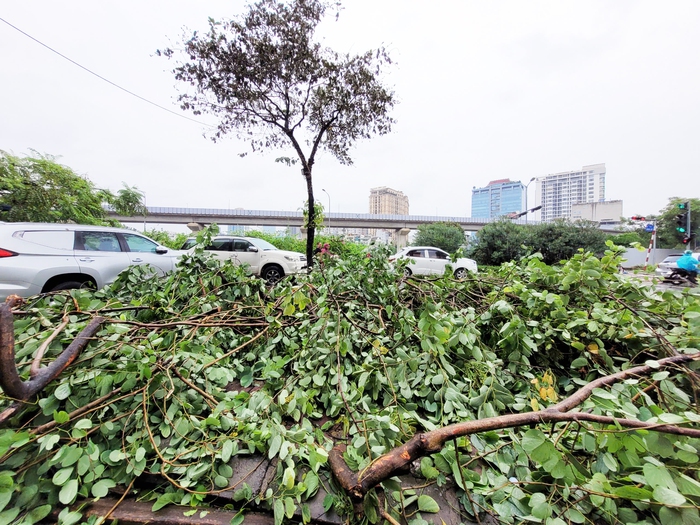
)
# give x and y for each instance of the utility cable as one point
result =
(103, 78)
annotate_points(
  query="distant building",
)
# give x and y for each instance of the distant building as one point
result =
(608, 213)
(558, 192)
(499, 197)
(385, 201)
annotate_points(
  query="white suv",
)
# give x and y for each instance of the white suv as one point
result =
(38, 258)
(428, 260)
(262, 258)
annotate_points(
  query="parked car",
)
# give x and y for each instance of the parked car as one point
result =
(262, 258)
(428, 260)
(38, 258)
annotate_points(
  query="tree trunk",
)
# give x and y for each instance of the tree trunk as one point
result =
(311, 229)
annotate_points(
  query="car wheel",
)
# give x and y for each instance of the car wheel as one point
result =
(272, 273)
(461, 273)
(406, 272)
(70, 285)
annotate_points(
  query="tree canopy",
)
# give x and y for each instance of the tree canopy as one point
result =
(266, 79)
(504, 241)
(445, 235)
(39, 189)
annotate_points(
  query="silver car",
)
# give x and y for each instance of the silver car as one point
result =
(666, 266)
(428, 260)
(38, 258)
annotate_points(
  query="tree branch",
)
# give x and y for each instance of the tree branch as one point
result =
(423, 444)
(10, 381)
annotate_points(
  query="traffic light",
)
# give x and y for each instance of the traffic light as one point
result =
(683, 218)
(688, 238)
(638, 218)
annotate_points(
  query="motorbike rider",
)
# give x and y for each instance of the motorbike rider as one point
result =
(688, 263)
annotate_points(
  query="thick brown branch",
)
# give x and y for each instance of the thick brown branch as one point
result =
(384, 467)
(10, 381)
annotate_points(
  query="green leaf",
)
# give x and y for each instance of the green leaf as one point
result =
(101, 488)
(427, 504)
(668, 496)
(68, 492)
(278, 511)
(238, 519)
(631, 492)
(62, 391)
(39, 513)
(532, 439)
(275, 444)
(62, 476)
(288, 478)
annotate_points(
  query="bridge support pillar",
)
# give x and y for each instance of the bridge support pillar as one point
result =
(401, 237)
(304, 233)
(195, 226)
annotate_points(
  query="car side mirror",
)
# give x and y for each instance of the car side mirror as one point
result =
(252, 248)
(161, 250)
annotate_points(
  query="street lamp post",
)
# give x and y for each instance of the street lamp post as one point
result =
(526, 189)
(329, 210)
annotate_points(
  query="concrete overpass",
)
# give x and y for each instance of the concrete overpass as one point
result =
(204, 216)
(196, 218)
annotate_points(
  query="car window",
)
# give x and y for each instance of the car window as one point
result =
(98, 241)
(437, 254)
(415, 253)
(61, 240)
(189, 243)
(136, 243)
(239, 245)
(220, 245)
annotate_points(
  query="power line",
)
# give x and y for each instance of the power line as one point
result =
(103, 78)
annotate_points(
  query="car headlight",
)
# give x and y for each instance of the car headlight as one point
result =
(291, 258)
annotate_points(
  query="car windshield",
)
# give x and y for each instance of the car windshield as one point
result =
(263, 245)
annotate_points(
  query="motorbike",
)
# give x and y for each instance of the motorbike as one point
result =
(679, 276)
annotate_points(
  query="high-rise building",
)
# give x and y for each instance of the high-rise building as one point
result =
(498, 197)
(556, 193)
(385, 201)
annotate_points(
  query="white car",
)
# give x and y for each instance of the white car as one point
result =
(262, 258)
(38, 258)
(428, 260)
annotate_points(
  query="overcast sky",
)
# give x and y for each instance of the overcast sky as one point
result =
(487, 90)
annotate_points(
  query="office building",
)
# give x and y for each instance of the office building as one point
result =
(385, 201)
(557, 193)
(498, 197)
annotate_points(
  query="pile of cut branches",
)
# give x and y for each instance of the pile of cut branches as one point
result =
(552, 394)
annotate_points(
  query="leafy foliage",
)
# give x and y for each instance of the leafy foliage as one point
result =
(39, 189)
(503, 241)
(210, 364)
(169, 239)
(445, 235)
(265, 77)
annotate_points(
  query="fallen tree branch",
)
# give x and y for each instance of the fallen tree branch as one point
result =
(357, 484)
(10, 380)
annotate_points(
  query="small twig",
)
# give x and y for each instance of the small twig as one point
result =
(34, 370)
(104, 518)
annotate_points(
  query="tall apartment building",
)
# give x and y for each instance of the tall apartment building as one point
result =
(498, 197)
(385, 201)
(556, 193)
